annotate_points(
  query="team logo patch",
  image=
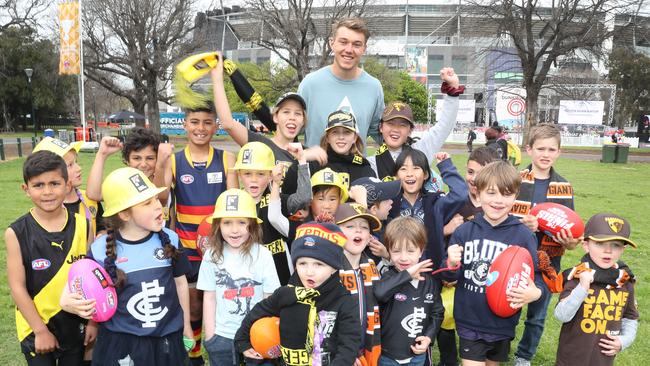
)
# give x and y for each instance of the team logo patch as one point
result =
(232, 202)
(138, 182)
(615, 224)
(328, 177)
(357, 159)
(358, 208)
(247, 156)
(187, 179)
(400, 297)
(159, 254)
(93, 210)
(60, 143)
(309, 242)
(40, 264)
(100, 277)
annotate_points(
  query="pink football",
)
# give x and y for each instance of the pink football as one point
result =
(90, 280)
(510, 269)
(553, 217)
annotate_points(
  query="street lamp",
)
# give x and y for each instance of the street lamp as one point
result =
(29, 72)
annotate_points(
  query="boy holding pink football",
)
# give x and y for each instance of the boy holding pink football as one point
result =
(541, 183)
(485, 337)
(597, 305)
(41, 246)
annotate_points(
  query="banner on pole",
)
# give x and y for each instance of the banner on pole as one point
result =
(69, 62)
(581, 112)
(416, 60)
(511, 107)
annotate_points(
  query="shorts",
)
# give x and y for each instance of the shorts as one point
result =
(113, 348)
(193, 275)
(69, 331)
(481, 350)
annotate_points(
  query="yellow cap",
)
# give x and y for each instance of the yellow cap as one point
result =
(255, 156)
(57, 146)
(328, 177)
(124, 188)
(235, 203)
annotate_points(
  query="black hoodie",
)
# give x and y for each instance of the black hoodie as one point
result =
(481, 243)
(335, 332)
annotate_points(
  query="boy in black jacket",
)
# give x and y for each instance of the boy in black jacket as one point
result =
(485, 337)
(319, 320)
(408, 295)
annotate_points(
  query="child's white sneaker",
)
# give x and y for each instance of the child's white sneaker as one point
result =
(521, 361)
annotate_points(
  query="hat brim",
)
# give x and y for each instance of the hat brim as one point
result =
(209, 219)
(346, 127)
(604, 238)
(375, 224)
(135, 200)
(295, 97)
(400, 117)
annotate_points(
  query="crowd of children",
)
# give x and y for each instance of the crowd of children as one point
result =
(340, 247)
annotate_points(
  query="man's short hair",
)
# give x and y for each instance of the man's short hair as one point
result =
(355, 24)
(501, 175)
(42, 162)
(544, 131)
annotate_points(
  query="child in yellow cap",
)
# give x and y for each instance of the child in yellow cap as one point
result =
(236, 273)
(148, 267)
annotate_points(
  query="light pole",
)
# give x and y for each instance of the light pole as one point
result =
(29, 72)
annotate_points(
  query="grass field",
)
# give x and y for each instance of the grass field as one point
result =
(623, 189)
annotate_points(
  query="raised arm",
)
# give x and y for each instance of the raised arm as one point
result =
(236, 130)
(107, 147)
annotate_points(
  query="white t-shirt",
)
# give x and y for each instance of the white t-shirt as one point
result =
(240, 282)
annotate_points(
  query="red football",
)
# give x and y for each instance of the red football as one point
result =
(553, 217)
(203, 236)
(510, 269)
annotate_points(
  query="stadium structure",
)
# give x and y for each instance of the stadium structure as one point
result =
(421, 37)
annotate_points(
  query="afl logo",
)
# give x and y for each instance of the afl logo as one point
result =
(400, 297)
(187, 178)
(40, 264)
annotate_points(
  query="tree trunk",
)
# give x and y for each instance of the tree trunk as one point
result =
(532, 111)
(138, 107)
(152, 103)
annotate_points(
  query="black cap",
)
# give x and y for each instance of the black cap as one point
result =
(292, 96)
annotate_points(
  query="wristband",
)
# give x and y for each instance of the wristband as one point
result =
(452, 92)
(189, 343)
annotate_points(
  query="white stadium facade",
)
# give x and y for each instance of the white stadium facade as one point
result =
(421, 37)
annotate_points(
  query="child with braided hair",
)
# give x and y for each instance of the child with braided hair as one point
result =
(152, 323)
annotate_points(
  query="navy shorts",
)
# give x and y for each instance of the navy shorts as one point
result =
(481, 350)
(121, 348)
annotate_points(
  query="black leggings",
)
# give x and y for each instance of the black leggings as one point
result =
(447, 347)
(72, 357)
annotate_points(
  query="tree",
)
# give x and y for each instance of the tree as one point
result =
(538, 35)
(389, 78)
(14, 13)
(630, 71)
(132, 45)
(293, 30)
(415, 94)
(52, 93)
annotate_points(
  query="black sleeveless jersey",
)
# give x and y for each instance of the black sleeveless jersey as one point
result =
(47, 257)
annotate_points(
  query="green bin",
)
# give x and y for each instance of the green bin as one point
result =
(622, 151)
(609, 153)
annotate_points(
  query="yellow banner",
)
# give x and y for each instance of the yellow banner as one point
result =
(69, 26)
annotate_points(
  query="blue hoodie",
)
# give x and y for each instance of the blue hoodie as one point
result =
(481, 243)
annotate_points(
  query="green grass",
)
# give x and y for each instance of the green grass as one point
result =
(622, 189)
